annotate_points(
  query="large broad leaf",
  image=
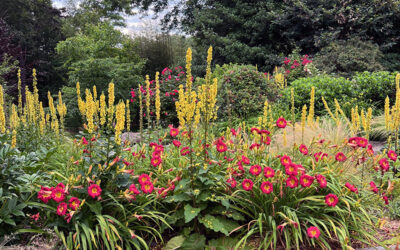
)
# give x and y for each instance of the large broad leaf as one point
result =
(191, 212)
(174, 243)
(218, 224)
(194, 242)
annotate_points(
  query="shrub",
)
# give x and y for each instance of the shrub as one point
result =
(242, 90)
(376, 86)
(344, 90)
(344, 57)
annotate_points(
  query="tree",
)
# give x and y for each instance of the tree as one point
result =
(100, 55)
(36, 29)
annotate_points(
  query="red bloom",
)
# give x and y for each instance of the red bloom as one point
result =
(62, 208)
(266, 187)
(234, 132)
(255, 170)
(292, 182)
(133, 189)
(340, 157)
(291, 169)
(281, 122)
(254, 145)
(286, 61)
(74, 203)
(147, 187)
(392, 155)
(331, 200)
(370, 150)
(35, 217)
(384, 163)
(313, 232)
(247, 184)
(385, 198)
(255, 129)
(44, 194)
(362, 142)
(58, 194)
(306, 180)
(269, 172)
(221, 146)
(373, 187)
(245, 160)
(144, 178)
(354, 141)
(266, 140)
(185, 151)
(94, 190)
(321, 181)
(176, 143)
(351, 188)
(84, 141)
(232, 182)
(173, 131)
(286, 161)
(303, 149)
(156, 161)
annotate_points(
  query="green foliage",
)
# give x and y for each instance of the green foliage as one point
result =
(391, 61)
(345, 57)
(344, 90)
(101, 54)
(376, 86)
(7, 65)
(242, 90)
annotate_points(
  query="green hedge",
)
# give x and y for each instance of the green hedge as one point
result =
(365, 90)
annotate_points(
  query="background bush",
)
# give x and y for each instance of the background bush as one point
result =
(242, 90)
(349, 56)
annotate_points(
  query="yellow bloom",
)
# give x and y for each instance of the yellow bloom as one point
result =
(61, 108)
(128, 117)
(2, 113)
(14, 139)
(157, 101)
(102, 109)
(140, 111)
(120, 117)
(303, 121)
(111, 99)
(90, 110)
(19, 92)
(310, 119)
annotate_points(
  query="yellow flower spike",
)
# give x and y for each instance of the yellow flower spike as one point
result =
(111, 99)
(387, 112)
(2, 113)
(42, 122)
(61, 108)
(19, 92)
(128, 117)
(140, 111)
(103, 111)
(120, 117)
(14, 139)
(369, 118)
(284, 138)
(14, 119)
(157, 101)
(328, 109)
(90, 111)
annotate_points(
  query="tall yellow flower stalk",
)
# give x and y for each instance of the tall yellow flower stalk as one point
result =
(81, 103)
(148, 101)
(62, 109)
(19, 92)
(157, 101)
(14, 139)
(128, 117)
(90, 111)
(42, 117)
(14, 118)
(35, 93)
(54, 120)
(265, 115)
(303, 121)
(368, 125)
(120, 117)
(111, 100)
(388, 118)
(103, 111)
(310, 118)
(186, 104)
(30, 106)
(2, 113)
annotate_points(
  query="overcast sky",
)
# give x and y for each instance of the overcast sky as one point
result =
(134, 24)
